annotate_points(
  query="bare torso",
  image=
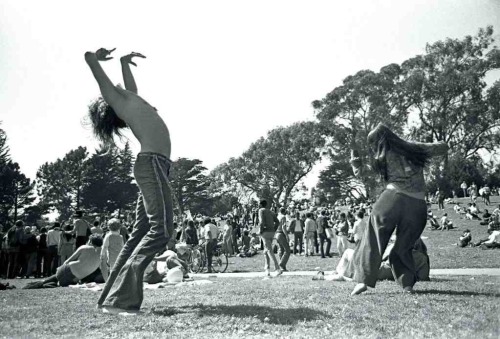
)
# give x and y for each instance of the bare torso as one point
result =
(86, 262)
(143, 119)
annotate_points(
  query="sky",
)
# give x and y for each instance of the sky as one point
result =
(220, 73)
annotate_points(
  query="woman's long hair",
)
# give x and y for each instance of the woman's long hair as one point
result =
(105, 123)
(382, 140)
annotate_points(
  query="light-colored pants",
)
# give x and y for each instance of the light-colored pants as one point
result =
(342, 244)
(309, 242)
(228, 245)
(284, 249)
(267, 239)
(152, 229)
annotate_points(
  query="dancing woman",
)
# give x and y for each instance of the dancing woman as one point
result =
(117, 109)
(401, 206)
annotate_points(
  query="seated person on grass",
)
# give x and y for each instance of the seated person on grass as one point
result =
(465, 240)
(255, 242)
(473, 211)
(494, 224)
(458, 209)
(432, 219)
(493, 241)
(446, 223)
(246, 250)
(486, 218)
(82, 263)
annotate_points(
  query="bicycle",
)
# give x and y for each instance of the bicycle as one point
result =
(198, 259)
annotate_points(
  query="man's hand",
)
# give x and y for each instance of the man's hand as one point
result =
(102, 54)
(128, 58)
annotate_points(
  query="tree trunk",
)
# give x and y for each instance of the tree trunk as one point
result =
(15, 202)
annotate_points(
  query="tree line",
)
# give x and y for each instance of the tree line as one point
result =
(440, 95)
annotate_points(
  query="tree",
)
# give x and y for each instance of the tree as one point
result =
(59, 184)
(51, 188)
(446, 88)
(75, 168)
(108, 184)
(349, 112)
(123, 189)
(273, 166)
(189, 184)
(17, 191)
(4, 149)
(336, 180)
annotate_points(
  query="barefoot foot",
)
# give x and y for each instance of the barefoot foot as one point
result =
(358, 289)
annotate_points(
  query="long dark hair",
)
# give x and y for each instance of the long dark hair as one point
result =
(105, 123)
(382, 140)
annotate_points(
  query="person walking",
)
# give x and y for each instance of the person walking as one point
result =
(268, 223)
(281, 237)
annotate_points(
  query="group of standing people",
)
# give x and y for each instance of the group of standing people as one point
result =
(27, 251)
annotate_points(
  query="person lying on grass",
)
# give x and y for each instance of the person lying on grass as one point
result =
(172, 260)
(82, 263)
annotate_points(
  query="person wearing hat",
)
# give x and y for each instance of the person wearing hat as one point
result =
(82, 229)
(399, 165)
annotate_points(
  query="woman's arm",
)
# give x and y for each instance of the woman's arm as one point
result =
(128, 77)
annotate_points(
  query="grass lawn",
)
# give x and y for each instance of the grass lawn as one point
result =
(287, 306)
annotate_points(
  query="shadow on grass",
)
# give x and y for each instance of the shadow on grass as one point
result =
(461, 293)
(278, 316)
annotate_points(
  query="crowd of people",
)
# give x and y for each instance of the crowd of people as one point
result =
(32, 252)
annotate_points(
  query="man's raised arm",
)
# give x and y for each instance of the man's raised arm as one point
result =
(109, 92)
(128, 77)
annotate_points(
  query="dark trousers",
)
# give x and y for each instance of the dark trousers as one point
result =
(154, 225)
(392, 210)
(13, 268)
(52, 259)
(316, 244)
(297, 239)
(29, 264)
(322, 239)
(209, 250)
(4, 262)
(43, 256)
(441, 204)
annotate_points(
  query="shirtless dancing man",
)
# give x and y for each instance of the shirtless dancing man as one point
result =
(117, 109)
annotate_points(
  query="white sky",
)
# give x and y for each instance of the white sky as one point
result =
(221, 73)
